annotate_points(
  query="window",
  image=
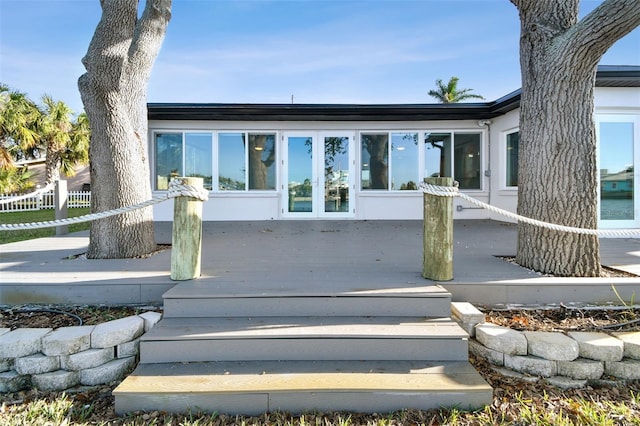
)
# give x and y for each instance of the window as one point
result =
(197, 157)
(466, 160)
(376, 167)
(437, 155)
(262, 161)
(465, 164)
(375, 161)
(179, 154)
(513, 142)
(168, 151)
(246, 161)
(404, 161)
(231, 162)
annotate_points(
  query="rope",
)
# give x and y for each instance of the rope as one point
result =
(175, 190)
(29, 195)
(452, 191)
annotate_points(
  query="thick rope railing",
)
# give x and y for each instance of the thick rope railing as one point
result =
(175, 190)
(453, 191)
(29, 195)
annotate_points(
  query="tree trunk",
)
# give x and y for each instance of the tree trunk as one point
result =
(557, 176)
(52, 164)
(118, 63)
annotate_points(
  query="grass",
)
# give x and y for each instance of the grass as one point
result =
(37, 216)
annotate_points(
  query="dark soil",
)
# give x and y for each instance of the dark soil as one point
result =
(65, 316)
(565, 318)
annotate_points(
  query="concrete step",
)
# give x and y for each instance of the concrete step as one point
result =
(224, 299)
(303, 338)
(252, 388)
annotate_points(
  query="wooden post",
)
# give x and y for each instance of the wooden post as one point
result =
(437, 262)
(60, 199)
(187, 234)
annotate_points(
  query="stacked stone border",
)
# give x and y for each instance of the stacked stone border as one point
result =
(567, 360)
(61, 359)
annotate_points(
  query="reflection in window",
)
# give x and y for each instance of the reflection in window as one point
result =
(466, 159)
(231, 162)
(616, 171)
(513, 143)
(300, 175)
(197, 158)
(262, 159)
(404, 161)
(437, 161)
(375, 160)
(168, 152)
(336, 174)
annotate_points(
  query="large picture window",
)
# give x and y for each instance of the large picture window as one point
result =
(183, 154)
(396, 166)
(389, 166)
(454, 154)
(245, 160)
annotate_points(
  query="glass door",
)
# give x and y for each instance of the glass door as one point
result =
(336, 172)
(618, 159)
(317, 175)
(301, 180)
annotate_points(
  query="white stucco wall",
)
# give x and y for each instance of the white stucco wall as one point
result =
(382, 204)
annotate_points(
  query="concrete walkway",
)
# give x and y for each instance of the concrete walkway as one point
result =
(295, 256)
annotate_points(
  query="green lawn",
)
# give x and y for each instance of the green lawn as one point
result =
(37, 216)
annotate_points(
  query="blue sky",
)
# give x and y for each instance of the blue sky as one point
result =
(330, 51)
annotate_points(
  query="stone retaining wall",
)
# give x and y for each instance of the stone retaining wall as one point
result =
(55, 360)
(565, 359)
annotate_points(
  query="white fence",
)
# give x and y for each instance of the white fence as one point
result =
(44, 201)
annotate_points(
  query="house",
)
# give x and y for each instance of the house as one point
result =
(301, 161)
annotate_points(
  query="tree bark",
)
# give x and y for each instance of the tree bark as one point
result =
(557, 176)
(119, 63)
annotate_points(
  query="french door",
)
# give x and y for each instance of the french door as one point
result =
(318, 172)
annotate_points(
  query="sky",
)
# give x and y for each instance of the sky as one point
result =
(278, 51)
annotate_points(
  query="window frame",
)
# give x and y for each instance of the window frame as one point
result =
(504, 155)
(390, 166)
(452, 158)
(215, 157)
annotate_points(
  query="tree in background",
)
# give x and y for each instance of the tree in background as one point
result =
(449, 93)
(66, 142)
(118, 65)
(557, 177)
(18, 118)
(26, 129)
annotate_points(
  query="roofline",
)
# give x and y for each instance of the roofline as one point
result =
(607, 76)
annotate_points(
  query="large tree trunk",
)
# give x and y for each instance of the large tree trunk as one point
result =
(118, 63)
(557, 177)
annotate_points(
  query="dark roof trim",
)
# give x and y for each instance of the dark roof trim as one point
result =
(607, 76)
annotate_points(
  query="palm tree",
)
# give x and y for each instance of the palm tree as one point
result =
(450, 93)
(18, 117)
(66, 142)
(15, 180)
